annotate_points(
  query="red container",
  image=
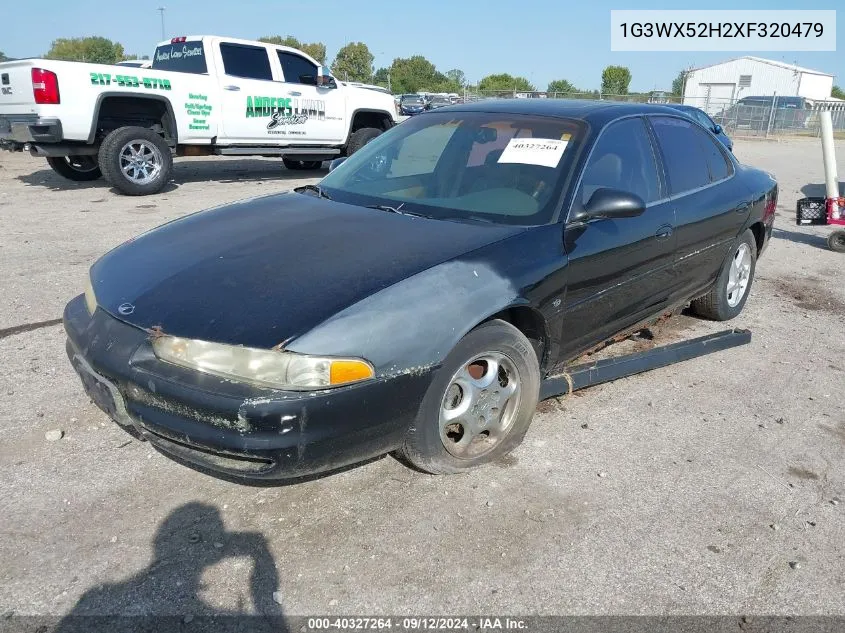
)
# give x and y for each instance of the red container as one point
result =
(835, 207)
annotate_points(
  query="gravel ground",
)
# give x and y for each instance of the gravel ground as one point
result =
(709, 487)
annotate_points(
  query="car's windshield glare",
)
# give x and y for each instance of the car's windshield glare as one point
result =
(501, 168)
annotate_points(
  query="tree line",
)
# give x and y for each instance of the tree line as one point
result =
(354, 62)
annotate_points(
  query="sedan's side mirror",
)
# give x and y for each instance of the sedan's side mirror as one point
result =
(337, 162)
(611, 203)
(717, 129)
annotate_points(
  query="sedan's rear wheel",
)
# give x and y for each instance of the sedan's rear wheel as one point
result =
(727, 298)
(479, 404)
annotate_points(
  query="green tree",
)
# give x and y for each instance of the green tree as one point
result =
(560, 85)
(317, 50)
(615, 80)
(382, 77)
(278, 40)
(837, 93)
(456, 76)
(354, 62)
(679, 83)
(86, 49)
(412, 74)
(505, 82)
(3, 57)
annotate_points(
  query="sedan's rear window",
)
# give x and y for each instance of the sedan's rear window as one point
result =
(182, 57)
(501, 168)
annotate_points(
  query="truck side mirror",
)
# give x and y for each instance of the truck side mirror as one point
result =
(324, 79)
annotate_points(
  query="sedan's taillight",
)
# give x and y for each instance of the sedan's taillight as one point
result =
(45, 86)
(771, 204)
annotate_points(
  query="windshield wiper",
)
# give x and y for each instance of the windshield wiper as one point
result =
(387, 207)
(316, 189)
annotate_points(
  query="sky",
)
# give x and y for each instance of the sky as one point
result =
(538, 39)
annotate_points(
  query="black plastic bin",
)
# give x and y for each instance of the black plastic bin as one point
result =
(811, 211)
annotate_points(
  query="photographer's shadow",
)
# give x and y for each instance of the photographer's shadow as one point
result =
(166, 595)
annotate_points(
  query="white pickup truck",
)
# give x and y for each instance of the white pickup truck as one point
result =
(201, 95)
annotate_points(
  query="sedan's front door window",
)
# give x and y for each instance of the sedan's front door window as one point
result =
(622, 159)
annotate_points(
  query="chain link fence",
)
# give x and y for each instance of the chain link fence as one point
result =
(767, 117)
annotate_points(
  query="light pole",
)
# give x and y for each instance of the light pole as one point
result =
(161, 11)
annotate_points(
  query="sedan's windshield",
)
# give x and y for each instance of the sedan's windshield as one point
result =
(501, 168)
(413, 99)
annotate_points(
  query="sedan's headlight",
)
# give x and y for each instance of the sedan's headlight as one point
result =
(269, 368)
(90, 298)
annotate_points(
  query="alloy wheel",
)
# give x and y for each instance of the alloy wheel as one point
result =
(479, 405)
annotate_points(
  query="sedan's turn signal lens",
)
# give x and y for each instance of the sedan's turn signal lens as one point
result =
(345, 371)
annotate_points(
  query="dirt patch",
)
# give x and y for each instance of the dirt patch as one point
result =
(809, 295)
(836, 431)
(802, 473)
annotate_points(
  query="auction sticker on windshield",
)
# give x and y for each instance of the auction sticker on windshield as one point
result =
(534, 151)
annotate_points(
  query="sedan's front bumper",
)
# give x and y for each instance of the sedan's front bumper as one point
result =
(232, 428)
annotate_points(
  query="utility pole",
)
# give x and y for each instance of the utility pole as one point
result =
(161, 11)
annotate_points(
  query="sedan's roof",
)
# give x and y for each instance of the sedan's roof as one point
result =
(596, 112)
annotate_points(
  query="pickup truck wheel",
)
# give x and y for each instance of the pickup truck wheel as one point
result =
(480, 403)
(836, 241)
(78, 168)
(136, 161)
(361, 137)
(302, 164)
(727, 298)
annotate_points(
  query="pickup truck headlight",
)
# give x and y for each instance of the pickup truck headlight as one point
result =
(268, 368)
(90, 298)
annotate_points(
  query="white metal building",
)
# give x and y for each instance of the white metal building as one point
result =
(713, 87)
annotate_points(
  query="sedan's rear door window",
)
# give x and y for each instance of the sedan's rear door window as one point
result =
(683, 153)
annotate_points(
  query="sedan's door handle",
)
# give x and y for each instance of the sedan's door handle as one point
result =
(231, 87)
(664, 232)
(294, 93)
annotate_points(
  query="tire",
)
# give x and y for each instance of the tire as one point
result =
(464, 421)
(836, 241)
(361, 137)
(147, 177)
(78, 168)
(738, 272)
(302, 165)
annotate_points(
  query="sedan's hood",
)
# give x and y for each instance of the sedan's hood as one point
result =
(262, 271)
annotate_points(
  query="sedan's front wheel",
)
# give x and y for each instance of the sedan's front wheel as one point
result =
(727, 298)
(480, 403)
